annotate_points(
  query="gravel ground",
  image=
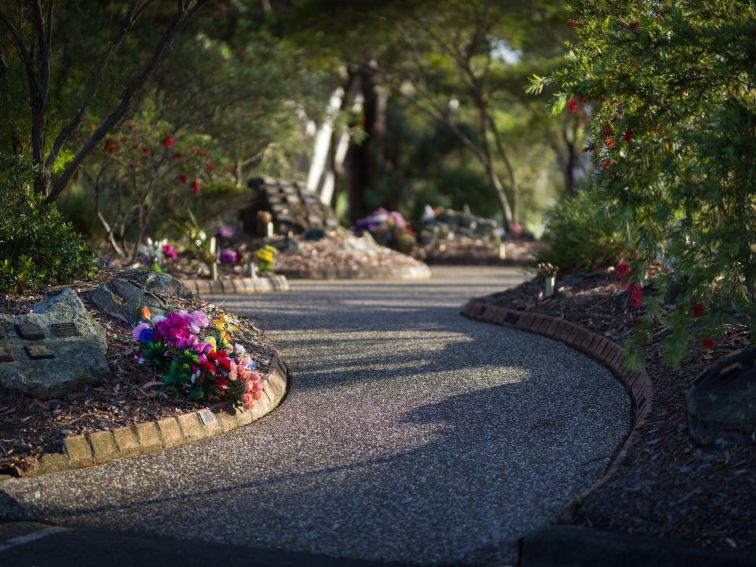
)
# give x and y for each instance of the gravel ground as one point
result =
(409, 434)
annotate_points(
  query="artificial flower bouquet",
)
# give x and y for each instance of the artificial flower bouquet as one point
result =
(266, 257)
(197, 357)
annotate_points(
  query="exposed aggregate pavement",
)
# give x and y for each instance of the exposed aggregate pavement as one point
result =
(410, 434)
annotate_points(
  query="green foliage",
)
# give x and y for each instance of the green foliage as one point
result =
(581, 234)
(37, 245)
(674, 136)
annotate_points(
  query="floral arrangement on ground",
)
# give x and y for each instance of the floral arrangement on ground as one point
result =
(192, 356)
(667, 484)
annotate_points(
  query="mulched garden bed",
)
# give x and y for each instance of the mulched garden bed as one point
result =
(463, 250)
(130, 395)
(667, 485)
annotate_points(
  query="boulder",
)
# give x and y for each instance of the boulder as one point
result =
(722, 401)
(124, 297)
(58, 348)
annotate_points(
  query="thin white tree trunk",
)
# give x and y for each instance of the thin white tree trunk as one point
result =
(323, 141)
(326, 192)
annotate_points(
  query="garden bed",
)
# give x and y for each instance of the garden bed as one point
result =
(131, 394)
(667, 485)
(463, 250)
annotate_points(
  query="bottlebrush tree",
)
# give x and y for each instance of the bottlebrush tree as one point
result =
(671, 87)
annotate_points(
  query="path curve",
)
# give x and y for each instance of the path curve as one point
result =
(409, 434)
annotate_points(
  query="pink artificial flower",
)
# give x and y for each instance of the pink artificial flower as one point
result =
(247, 398)
(169, 251)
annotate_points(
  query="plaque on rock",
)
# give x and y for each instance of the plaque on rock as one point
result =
(30, 331)
(5, 354)
(38, 352)
(64, 330)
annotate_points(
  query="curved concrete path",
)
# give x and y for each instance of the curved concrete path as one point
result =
(410, 434)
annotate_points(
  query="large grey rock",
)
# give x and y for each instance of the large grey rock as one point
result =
(76, 359)
(124, 297)
(722, 401)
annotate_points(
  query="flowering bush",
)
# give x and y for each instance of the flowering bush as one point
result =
(197, 357)
(388, 228)
(266, 258)
(671, 88)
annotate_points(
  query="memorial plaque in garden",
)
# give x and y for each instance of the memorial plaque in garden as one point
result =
(6, 355)
(64, 330)
(30, 331)
(38, 352)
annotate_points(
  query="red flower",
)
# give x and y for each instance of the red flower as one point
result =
(699, 310)
(572, 24)
(177, 155)
(168, 141)
(628, 136)
(196, 186)
(209, 166)
(634, 25)
(130, 126)
(635, 295)
(111, 147)
(610, 143)
(606, 164)
(146, 151)
(183, 179)
(572, 105)
(606, 131)
(634, 66)
(708, 343)
(222, 383)
(134, 145)
(93, 127)
(623, 268)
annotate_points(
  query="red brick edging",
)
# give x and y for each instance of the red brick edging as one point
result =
(609, 353)
(241, 286)
(152, 436)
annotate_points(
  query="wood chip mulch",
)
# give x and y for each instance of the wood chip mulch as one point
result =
(667, 485)
(131, 394)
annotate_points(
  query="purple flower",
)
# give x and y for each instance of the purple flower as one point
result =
(228, 256)
(199, 321)
(225, 232)
(136, 333)
(146, 336)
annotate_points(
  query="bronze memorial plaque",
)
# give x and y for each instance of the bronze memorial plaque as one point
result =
(37, 352)
(6, 355)
(30, 331)
(67, 329)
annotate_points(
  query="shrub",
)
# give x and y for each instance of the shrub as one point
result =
(670, 86)
(581, 234)
(37, 245)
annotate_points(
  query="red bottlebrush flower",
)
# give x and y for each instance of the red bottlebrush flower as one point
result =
(634, 25)
(202, 153)
(209, 166)
(635, 295)
(699, 310)
(623, 268)
(627, 136)
(196, 186)
(183, 179)
(111, 147)
(572, 105)
(606, 164)
(590, 147)
(606, 131)
(572, 24)
(146, 151)
(634, 66)
(177, 155)
(708, 343)
(168, 141)
(610, 143)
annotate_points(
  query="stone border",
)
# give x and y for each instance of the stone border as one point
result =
(610, 354)
(405, 273)
(149, 437)
(241, 286)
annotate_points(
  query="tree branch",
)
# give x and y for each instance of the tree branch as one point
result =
(184, 14)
